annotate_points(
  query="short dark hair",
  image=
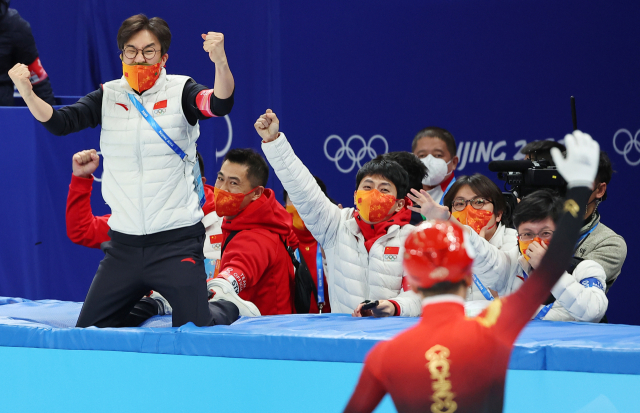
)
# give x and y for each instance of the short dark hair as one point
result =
(605, 171)
(541, 150)
(482, 186)
(257, 168)
(444, 287)
(321, 184)
(416, 170)
(200, 163)
(436, 132)
(134, 24)
(388, 169)
(538, 206)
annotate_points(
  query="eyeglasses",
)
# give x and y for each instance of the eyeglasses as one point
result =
(131, 52)
(545, 235)
(460, 204)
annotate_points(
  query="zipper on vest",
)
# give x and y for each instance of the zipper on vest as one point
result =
(138, 142)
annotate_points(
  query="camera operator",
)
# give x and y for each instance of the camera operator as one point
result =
(597, 241)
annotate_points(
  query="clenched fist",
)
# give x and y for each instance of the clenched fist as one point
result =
(268, 126)
(214, 45)
(85, 163)
(20, 76)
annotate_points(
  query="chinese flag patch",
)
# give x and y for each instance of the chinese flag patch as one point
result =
(214, 239)
(392, 250)
(160, 105)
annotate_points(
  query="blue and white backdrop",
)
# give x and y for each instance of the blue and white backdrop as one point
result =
(348, 80)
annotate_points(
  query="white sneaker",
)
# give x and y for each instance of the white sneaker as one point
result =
(222, 289)
(163, 304)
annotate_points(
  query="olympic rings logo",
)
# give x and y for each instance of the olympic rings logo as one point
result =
(631, 144)
(353, 156)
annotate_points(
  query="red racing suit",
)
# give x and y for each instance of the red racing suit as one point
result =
(450, 362)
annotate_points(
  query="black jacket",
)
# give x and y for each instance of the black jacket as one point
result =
(17, 45)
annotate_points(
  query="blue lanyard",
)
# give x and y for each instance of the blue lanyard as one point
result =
(585, 235)
(482, 288)
(157, 127)
(544, 311)
(197, 178)
(447, 190)
(320, 274)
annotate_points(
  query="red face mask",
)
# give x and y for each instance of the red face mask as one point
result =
(475, 218)
(373, 205)
(228, 204)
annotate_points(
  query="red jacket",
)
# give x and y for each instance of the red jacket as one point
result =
(84, 228)
(256, 257)
(308, 249)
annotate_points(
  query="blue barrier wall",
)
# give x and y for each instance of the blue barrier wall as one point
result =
(497, 74)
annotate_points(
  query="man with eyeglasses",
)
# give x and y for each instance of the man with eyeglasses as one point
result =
(151, 178)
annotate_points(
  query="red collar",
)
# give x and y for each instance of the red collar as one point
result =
(444, 184)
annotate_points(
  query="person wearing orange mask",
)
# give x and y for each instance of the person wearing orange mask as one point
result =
(363, 245)
(256, 230)
(478, 202)
(312, 254)
(151, 180)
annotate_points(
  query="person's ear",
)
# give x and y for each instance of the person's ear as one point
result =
(498, 217)
(601, 189)
(257, 193)
(354, 198)
(164, 59)
(399, 204)
(204, 180)
(454, 163)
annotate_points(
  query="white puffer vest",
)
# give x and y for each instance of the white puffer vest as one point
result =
(146, 184)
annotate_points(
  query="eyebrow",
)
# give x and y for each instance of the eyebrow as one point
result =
(235, 178)
(150, 44)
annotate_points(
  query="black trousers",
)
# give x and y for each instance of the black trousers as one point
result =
(170, 262)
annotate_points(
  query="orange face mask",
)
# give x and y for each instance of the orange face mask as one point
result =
(297, 221)
(228, 204)
(373, 205)
(141, 77)
(525, 244)
(475, 218)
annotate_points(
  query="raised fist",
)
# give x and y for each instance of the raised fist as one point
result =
(21, 77)
(84, 163)
(268, 126)
(214, 45)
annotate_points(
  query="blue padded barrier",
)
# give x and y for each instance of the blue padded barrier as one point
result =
(543, 345)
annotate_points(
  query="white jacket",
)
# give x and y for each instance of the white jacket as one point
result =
(355, 275)
(505, 240)
(579, 296)
(147, 186)
(503, 271)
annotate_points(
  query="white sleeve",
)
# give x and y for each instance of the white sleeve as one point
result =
(320, 216)
(491, 265)
(409, 303)
(582, 294)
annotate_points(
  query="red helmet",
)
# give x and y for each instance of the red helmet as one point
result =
(436, 251)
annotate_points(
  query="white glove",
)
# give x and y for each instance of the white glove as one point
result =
(580, 167)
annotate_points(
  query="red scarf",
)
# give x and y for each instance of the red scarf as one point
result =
(372, 232)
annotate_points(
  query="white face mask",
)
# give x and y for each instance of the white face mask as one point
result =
(436, 170)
